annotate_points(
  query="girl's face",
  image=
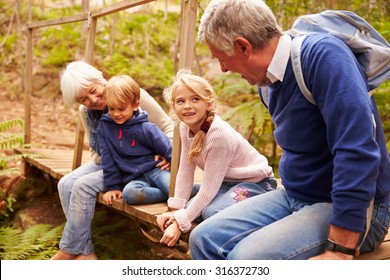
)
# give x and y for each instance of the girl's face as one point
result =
(92, 97)
(190, 108)
(124, 112)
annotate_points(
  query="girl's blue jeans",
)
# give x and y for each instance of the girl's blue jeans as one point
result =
(231, 193)
(274, 226)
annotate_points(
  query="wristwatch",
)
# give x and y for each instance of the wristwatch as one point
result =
(333, 246)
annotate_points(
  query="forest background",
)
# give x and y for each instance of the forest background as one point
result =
(143, 43)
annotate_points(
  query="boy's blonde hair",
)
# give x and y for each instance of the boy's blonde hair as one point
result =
(121, 90)
(205, 91)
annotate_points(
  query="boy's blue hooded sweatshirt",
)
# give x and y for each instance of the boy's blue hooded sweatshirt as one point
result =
(127, 150)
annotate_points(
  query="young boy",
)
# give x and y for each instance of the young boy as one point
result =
(128, 143)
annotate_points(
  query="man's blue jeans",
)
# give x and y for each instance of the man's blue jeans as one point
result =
(273, 226)
(77, 191)
(151, 188)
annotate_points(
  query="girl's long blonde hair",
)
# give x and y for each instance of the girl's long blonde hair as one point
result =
(205, 91)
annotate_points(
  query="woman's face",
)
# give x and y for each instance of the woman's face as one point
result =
(92, 97)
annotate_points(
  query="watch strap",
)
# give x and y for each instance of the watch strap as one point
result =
(333, 246)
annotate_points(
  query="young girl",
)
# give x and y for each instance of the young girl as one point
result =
(128, 143)
(232, 169)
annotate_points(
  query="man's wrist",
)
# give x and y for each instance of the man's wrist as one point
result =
(334, 247)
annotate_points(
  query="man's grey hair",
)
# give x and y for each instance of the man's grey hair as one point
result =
(225, 20)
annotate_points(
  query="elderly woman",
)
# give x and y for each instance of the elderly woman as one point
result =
(84, 84)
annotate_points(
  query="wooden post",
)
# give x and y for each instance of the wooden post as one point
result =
(187, 48)
(80, 133)
(187, 33)
(176, 149)
(28, 87)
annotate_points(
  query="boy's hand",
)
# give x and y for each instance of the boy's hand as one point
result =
(109, 196)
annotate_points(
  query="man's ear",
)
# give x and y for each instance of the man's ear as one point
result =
(242, 45)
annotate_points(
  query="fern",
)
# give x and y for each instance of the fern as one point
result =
(7, 125)
(37, 242)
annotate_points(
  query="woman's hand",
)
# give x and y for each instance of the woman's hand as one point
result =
(164, 164)
(171, 234)
(109, 196)
(164, 220)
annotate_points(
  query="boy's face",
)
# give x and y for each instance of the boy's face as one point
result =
(123, 113)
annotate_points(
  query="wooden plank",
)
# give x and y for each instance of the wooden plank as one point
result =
(114, 8)
(57, 21)
(117, 7)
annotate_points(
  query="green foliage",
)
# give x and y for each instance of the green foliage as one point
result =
(39, 242)
(57, 44)
(9, 140)
(142, 49)
(115, 238)
(382, 98)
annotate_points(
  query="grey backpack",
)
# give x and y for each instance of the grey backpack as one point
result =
(370, 48)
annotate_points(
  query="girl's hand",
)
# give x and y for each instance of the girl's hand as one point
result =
(171, 234)
(164, 220)
(109, 196)
(164, 164)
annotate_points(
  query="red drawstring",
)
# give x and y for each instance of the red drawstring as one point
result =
(120, 137)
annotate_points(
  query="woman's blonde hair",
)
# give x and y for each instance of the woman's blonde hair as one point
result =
(121, 90)
(204, 90)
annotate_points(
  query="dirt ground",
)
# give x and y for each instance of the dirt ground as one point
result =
(53, 126)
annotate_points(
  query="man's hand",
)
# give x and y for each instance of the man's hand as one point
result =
(343, 237)
(109, 196)
(328, 255)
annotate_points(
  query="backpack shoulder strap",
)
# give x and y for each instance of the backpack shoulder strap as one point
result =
(297, 67)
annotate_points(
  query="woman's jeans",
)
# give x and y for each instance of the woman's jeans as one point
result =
(273, 226)
(153, 187)
(78, 191)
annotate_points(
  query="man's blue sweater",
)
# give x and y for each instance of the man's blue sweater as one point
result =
(331, 151)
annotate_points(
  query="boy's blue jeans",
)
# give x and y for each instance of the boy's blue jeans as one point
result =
(153, 187)
(273, 226)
